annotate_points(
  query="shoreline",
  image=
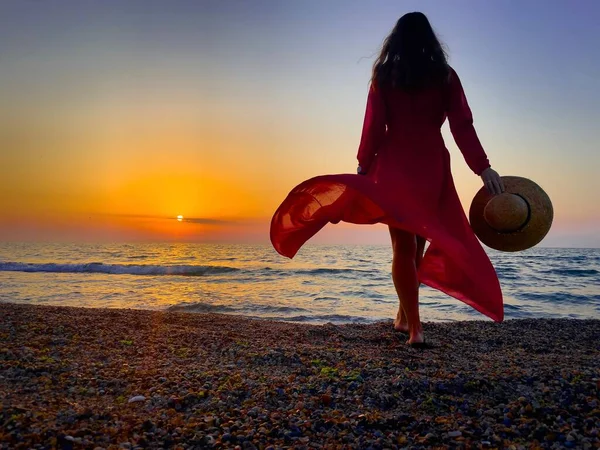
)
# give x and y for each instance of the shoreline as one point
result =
(356, 320)
(75, 378)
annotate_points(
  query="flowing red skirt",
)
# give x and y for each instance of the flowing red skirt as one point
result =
(454, 263)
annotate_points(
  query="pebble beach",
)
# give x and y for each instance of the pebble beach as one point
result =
(113, 378)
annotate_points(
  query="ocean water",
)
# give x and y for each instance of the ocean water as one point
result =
(338, 284)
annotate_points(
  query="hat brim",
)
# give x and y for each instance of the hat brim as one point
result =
(531, 233)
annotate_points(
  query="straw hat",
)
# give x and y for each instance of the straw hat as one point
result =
(515, 220)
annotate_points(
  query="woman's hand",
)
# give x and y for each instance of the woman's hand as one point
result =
(492, 181)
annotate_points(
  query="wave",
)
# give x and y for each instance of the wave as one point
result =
(324, 318)
(331, 271)
(563, 298)
(116, 269)
(573, 272)
(507, 273)
(317, 271)
(319, 319)
(243, 309)
(268, 312)
(202, 308)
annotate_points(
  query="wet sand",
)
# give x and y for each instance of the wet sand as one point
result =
(90, 378)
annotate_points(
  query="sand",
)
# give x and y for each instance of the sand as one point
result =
(98, 378)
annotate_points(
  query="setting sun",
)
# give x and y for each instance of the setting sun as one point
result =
(180, 218)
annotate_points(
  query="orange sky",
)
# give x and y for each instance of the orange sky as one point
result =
(113, 124)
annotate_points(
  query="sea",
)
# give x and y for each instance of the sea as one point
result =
(323, 283)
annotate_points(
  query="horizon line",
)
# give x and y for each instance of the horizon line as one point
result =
(224, 242)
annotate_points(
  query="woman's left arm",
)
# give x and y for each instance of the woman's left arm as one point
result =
(374, 128)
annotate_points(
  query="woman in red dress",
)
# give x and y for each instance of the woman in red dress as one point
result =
(404, 180)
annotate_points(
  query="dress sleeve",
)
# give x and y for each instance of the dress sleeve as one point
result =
(374, 128)
(461, 126)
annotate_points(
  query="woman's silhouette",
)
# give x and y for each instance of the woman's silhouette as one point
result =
(404, 180)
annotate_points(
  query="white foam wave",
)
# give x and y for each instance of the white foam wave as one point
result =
(116, 269)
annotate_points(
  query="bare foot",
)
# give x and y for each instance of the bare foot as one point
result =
(400, 323)
(416, 337)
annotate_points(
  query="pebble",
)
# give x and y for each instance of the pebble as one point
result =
(286, 399)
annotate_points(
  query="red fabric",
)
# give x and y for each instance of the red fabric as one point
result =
(408, 185)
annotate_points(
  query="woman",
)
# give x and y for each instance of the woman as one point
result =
(404, 180)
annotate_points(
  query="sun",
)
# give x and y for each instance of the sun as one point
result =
(180, 218)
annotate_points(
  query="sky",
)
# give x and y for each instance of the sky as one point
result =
(118, 116)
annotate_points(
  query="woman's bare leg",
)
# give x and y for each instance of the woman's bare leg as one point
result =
(401, 324)
(404, 274)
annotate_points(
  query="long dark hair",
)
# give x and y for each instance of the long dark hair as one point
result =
(411, 57)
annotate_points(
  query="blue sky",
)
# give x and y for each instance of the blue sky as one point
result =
(294, 76)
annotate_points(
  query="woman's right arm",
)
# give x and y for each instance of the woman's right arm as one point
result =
(374, 128)
(461, 126)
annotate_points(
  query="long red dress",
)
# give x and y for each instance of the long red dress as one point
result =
(408, 185)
